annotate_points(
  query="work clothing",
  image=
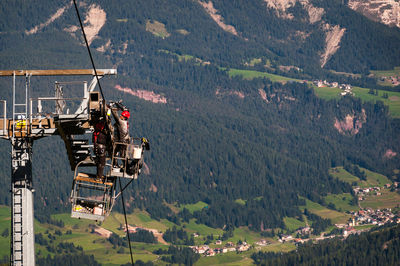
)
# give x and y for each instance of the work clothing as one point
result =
(100, 141)
(122, 128)
(100, 151)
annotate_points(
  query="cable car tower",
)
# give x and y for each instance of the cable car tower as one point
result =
(26, 125)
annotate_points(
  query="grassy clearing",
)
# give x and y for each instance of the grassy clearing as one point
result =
(251, 74)
(193, 227)
(346, 74)
(241, 202)
(293, 224)
(279, 247)
(157, 28)
(115, 221)
(393, 100)
(96, 245)
(386, 73)
(114, 258)
(253, 62)
(5, 225)
(341, 202)
(172, 207)
(381, 73)
(137, 218)
(327, 93)
(364, 226)
(198, 206)
(334, 216)
(245, 234)
(343, 175)
(230, 258)
(183, 32)
(373, 179)
(72, 222)
(386, 200)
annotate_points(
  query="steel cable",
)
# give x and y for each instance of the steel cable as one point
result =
(88, 48)
(101, 91)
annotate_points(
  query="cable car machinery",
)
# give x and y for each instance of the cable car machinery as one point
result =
(91, 198)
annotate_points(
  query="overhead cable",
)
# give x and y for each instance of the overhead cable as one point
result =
(101, 91)
(126, 221)
(88, 48)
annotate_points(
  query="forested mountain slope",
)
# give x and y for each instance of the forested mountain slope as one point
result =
(215, 138)
(372, 248)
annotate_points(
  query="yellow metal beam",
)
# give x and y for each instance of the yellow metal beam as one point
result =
(58, 72)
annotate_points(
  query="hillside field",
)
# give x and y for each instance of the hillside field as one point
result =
(393, 100)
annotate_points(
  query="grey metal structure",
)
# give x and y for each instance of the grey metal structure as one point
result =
(22, 233)
(22, 236)
(22, 129)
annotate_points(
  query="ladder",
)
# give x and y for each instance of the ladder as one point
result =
(20, 110)
(22, 235)
(17, 240)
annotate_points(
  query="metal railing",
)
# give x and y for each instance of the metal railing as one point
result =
(4, 132)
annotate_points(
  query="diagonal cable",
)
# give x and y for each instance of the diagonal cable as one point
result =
(126, 221)
(88, 48)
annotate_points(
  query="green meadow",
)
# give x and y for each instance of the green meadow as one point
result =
(5, 226)
(230, 258)
(373, 179)
(293, 224)
(342, 202)
(387, 199)
(334, 216)
(393, 100)
(251, 74)
(80, 233)
(343, 175)
(198, 206)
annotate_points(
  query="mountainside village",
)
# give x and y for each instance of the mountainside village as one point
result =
(364, 219)
(346, 88)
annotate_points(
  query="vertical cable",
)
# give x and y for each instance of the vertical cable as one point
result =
(126, 221)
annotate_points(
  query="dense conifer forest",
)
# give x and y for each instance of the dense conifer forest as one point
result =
(372, 248)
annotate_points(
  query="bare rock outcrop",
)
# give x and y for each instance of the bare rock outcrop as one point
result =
(384, 11)
(263, 95)
(351, 124)
(220, 92)
(334, 34)
(209, 7)
(55, 16)
(315, 13)
(333, 37)
(281, 7)
(389, 154)
(95, 19)
(143, 94)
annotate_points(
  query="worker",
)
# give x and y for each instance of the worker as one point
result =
(100, 141)
(122, 126)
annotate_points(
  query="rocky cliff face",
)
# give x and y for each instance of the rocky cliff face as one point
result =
(351, 124)
(384, 11)
(333, 33)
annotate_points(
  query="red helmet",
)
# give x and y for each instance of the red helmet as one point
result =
(126, 114)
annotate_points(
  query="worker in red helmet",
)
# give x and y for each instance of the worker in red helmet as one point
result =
(122, 126)
(126, 114)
